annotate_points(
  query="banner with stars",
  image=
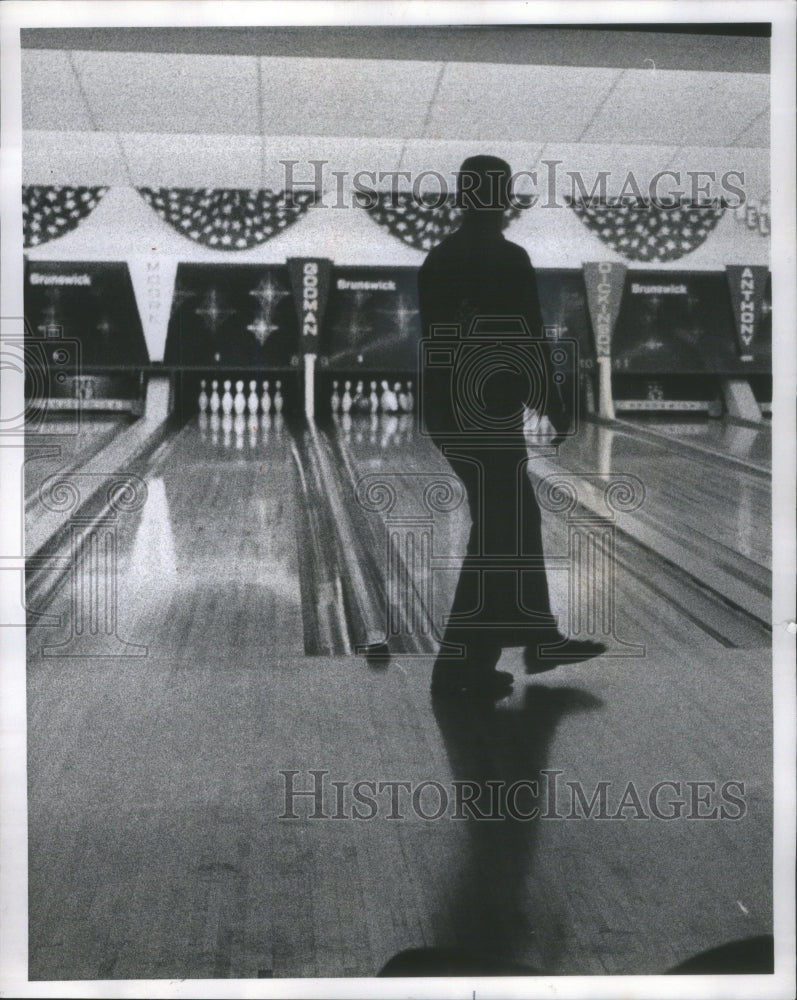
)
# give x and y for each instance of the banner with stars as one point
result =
(227, 218)
(50, 212)
(422, 222)
(643, 230)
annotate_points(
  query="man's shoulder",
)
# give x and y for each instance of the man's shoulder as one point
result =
(445, 248)
(516, 252)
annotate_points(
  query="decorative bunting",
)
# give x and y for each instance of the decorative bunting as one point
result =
(227, 218)
(422, 222)
(49, 212)
(641, 229)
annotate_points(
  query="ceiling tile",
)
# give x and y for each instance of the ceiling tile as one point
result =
(352, 97)
(51, 97)
(679, 108)
(757, 133)
(530, 103)
(150, 92)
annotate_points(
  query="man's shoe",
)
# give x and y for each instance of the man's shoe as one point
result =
(548, 651)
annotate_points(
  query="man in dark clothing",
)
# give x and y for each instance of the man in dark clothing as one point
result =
(486, 367)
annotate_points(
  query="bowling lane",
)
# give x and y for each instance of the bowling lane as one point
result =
(149, 741)
(745, 442)
(60, 443)
(717, 507)
(657, 605)
(208, 566)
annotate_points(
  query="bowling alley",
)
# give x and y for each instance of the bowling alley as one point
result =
(396, 594)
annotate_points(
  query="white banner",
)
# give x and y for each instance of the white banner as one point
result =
(153, 284)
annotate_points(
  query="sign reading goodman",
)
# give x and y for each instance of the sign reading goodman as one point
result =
(310, 278)
(604, 281)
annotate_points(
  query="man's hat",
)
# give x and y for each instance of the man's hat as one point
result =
(483, 184)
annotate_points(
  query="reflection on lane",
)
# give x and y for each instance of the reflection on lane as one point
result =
(742, 441)
(207, 565)
(685, 493)
(62, 442)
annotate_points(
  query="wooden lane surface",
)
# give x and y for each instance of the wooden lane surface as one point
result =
(147, 845)
(60, 444)
(706, 502)
(156, 847)
(745, 442)
(655, 604)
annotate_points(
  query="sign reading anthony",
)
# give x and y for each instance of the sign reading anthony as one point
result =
(747, 285)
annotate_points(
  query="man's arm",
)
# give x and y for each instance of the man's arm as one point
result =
(557, 395)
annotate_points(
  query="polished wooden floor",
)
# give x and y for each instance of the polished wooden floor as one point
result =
(156, 847)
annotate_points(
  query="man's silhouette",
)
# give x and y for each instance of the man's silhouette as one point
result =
(474, 408)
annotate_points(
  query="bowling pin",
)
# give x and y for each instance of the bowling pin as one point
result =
(203, 397)
(239, 402)
(226, 399)
(253, 430)
(388, 401)
(253, 402)
(410, 398)
(360, 402)
(214, 426)
(265, 399)
(203, 425)
(402, 397)
(346, 401)
(278, 401)
(334, 400)
(215, 402)
(373, 399)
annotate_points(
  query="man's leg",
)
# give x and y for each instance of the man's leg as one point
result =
(474, 668)
(547, 647)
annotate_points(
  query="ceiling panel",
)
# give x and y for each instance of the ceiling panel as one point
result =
(756, 134)
(79, 158)
(531, 103)
(346, 97)
(677, 107)
(51, 96)
(142, 92)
